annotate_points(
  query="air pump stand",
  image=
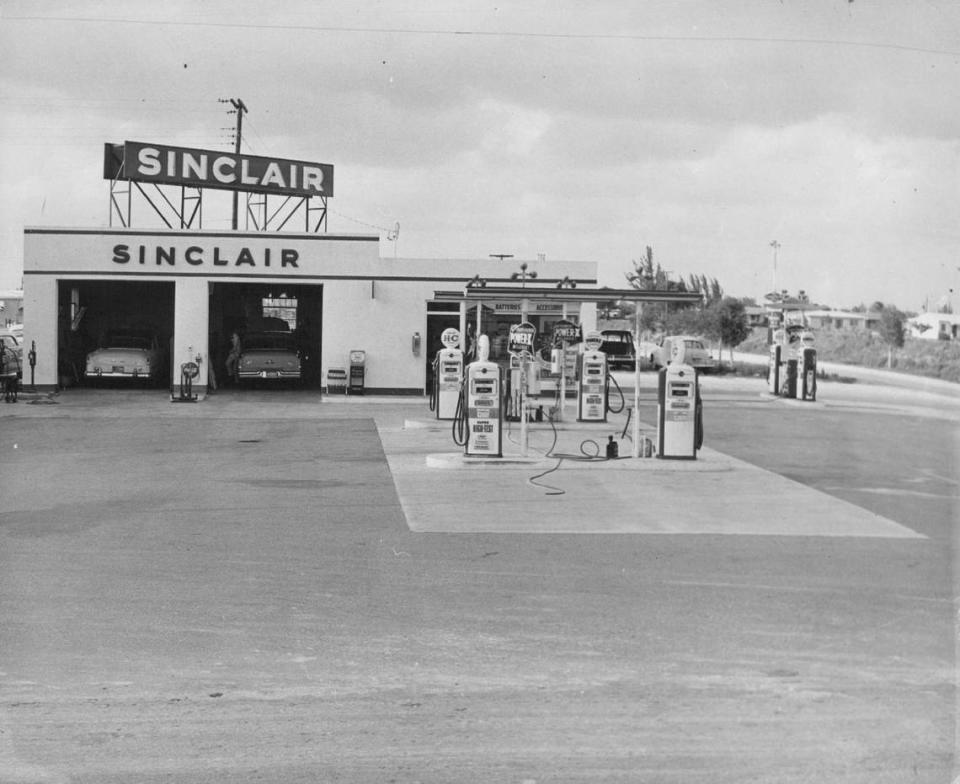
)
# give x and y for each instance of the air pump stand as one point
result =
(188, 372)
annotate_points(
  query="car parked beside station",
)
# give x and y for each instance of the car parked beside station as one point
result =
(695, 353)
(11, 347)
(11, 364)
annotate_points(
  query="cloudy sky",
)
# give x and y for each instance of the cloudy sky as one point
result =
(582, 131)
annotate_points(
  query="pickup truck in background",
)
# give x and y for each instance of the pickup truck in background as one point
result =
(618, 346)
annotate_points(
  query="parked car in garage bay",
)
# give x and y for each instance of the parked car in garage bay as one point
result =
(131, 354)
(269, 355)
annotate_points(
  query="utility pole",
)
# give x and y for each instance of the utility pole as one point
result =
(776, 246)
(240, 107)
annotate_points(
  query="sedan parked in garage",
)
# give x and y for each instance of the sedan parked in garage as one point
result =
(126, 354)
(269, 355)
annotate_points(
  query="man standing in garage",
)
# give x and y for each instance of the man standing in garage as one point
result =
(234, 356)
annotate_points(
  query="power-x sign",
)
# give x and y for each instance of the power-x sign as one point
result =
(521, 337)
(565, 332)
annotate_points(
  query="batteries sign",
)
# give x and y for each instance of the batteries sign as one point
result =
(521, 337)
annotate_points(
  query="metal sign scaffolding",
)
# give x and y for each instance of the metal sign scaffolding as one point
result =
(185, 211)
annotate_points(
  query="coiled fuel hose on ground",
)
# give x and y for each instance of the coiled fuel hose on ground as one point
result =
(594, 455)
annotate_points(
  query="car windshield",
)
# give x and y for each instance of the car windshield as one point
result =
(126, 340)
(693, 344)
(617, 337)
(269, 341)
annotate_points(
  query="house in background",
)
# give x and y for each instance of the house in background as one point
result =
(757, 316)
(842, 320)
(11, 308)
(935, 326)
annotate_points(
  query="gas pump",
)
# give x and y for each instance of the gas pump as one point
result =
(679, 411)
(592, 387)
(592, 381)
(479, 413)
(808, 373)
(447, 380)
(773, 370)
(523, 382)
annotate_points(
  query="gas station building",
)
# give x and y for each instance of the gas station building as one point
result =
(342, 302)
(194, 287)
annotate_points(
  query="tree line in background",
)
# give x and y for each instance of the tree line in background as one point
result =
(720, 318)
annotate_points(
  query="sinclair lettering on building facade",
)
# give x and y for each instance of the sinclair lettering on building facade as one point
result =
(164, 165)
(197, 256)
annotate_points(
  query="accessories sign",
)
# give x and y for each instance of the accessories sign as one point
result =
(163, 165)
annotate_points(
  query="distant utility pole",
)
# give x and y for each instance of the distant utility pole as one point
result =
(239, 108)
(776, 246)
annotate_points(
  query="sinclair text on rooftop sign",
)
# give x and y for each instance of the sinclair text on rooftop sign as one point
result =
(163, 165)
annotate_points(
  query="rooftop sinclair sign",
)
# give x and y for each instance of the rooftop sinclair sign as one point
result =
(163, 165)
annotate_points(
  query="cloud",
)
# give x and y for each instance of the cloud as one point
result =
(582, 131)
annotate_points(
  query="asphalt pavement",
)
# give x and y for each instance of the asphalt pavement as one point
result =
(268, 586)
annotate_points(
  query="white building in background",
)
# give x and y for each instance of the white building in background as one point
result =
(935, 326)
(11, 308)
(841, 320)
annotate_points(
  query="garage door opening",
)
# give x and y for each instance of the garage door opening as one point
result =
(114, 334)
(277, 326)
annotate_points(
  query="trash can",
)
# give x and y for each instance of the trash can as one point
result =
(358, 361)
(337, 381)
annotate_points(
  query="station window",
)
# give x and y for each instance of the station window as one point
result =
(282, 308)
(443, 307)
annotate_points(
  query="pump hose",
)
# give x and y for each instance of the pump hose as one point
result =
(698, 423)
(458, 428)
(433, 387)
(623, 400)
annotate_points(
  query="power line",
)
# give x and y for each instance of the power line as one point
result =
(494, 34)
(362, 223)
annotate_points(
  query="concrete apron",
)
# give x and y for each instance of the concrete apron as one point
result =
(441, 491)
